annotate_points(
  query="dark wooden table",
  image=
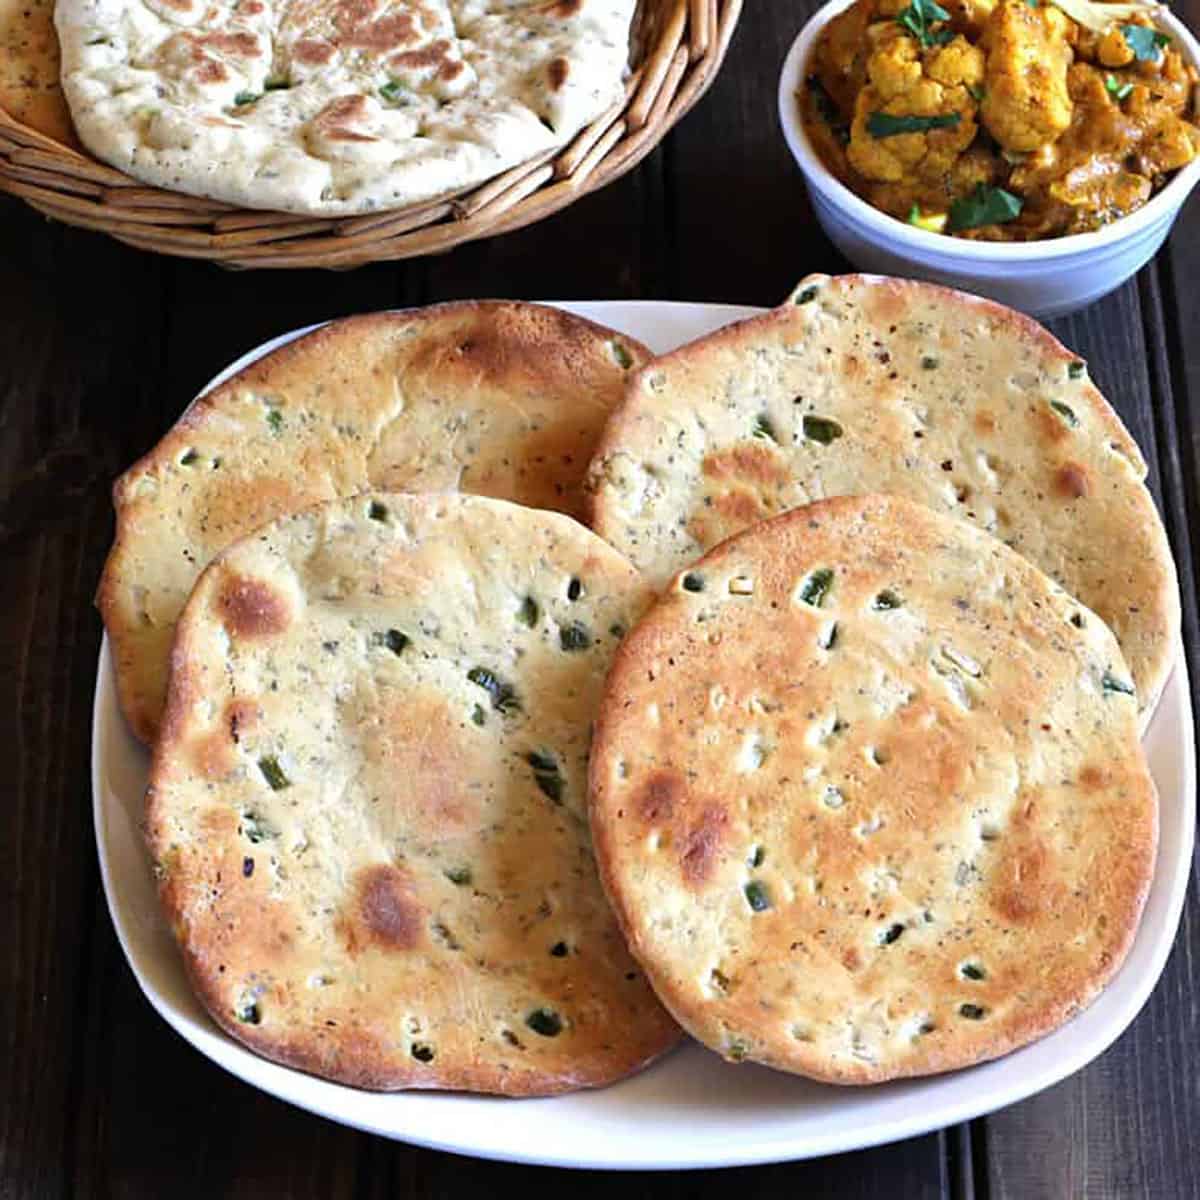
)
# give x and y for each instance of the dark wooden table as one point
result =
(101, 346)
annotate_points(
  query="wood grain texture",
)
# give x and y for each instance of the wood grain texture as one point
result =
(100, 348)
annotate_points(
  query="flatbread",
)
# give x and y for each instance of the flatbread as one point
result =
(336, 106)
(868, 798)
(29, 85)
(367, 810)
(865, 384)
(496, 398)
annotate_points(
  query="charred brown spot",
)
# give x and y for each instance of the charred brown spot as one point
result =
(312, 51)
(558, 71)
(566, 8)
(756, 461)
(1093, 779)
(433, 55)
(208, 70)
(387, 907)
(703, 843)
(740, 508)
(985, 422)
(241, 45)
(360, 27)
(851, 959)
(250, 608)
(1072, 481)
(656, 801)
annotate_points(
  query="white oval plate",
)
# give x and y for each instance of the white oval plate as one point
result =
(691, 1109)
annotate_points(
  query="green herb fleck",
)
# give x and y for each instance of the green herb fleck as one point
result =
(623, 357)
(574, 589)
(692, 582)
(886, 601)
(891, 934)
(529, 612)
(757, 896)
(459, 876)
(275, 420)
(277, 85)
(574, 637)
(977, 92)
(757, 855)
(1117, 90)
(1147, 44)
(1110, 683)
(546, 774)
(248, 1012)
(559, 950)
(917, 19)
(395, 93)
(816, 587)
(422, 1052)
(99, 41)
(807, 296)
(885, 125)
(827, 638)
(971, 971)
(395, 641)
(984, 206)
(929, 363)
(478, 715)
(1066, 412)
(827, 110)
(377, 511)
(189, 457)
(763, 428)
(821, 429)
(737, 1050)
(545, 1021)
(273, 774)
(256, 828)
(973, 1012)
(244, 98)
(503, 695)
(1076, 369)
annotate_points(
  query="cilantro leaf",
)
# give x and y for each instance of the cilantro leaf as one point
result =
(882, 125)
(1118, 91)
(1147, 44)
(827, 110)
(917, 18)
(984, 206)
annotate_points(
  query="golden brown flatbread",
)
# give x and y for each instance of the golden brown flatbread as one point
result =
(865, 384)
(868, 798)
(367, 809)
(29, 85)
(500, 399)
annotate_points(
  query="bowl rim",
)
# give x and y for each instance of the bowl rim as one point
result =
(923, 242)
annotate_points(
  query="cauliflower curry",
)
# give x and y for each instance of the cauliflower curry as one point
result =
(1006, 120)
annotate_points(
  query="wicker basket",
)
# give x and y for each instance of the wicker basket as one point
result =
(678, 47)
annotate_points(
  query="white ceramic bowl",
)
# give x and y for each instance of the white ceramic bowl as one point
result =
(1046, 278)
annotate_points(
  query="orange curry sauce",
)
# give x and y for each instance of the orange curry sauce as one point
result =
(999, 119)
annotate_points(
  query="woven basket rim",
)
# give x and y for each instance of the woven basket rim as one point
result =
(683, 44)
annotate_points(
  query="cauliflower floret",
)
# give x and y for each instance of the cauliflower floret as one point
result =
(1113, 50)
(1028, 55)
(905, 83)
